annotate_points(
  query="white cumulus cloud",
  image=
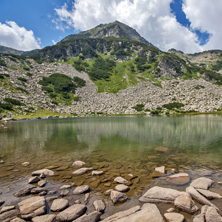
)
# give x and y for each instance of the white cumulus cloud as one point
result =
(151, 18)
(14, 36)
(205, 15)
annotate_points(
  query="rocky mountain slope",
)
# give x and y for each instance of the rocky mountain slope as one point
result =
(110, 69)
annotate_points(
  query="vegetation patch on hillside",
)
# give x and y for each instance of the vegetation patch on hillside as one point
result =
(61, 88)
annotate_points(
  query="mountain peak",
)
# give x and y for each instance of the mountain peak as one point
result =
(115, 29)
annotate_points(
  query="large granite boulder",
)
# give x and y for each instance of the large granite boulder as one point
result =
(160, 195)
(32, 207)
(148, 212)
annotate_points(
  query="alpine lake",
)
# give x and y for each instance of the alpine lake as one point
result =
(119, 146)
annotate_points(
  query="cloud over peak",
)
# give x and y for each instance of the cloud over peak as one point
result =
(153, 19)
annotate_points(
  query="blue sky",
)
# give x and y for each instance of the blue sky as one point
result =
(34, 15)
(52, 20)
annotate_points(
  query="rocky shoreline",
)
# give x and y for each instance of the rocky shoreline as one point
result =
(39, 204)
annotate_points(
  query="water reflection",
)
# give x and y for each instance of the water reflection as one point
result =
(132, 137)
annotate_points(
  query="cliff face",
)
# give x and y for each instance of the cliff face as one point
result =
(117, 72)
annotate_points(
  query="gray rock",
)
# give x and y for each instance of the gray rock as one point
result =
(92, 217)
(117, 196)
(120, 180)
(64, 193)
(185, 203)
(121, 188)
(78, 163)
(209, 195)
(174, 217)
(97, 173)
(38, 190)
(178, 179)
(212, 215)
(2, 202)
(32, 207)
(34, 179)
(25, 164)
(87, 195)
(199, 218)
(16, 219)
(65, 187)
(197, 196)
(6, 208)
(82, 171)
(44, 218)
(24, 192)
(81, 189)
(42, 183)
(59, 204)
(160, 195)
(9, 215)
(99, 205)
(202, 183)
(49, 199)
(71, 213)
(45, 172)
(148, 212)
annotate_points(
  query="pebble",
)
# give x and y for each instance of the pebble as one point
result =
(25, 164)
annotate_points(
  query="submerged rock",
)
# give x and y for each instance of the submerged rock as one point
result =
(202, 183)
(160, 195)
(97, 173)
(82, 171)
(25, 164)
(179, 179)
(78, 163)
(117, 196)
(120, 180)
(71, 213)
(45, 172)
